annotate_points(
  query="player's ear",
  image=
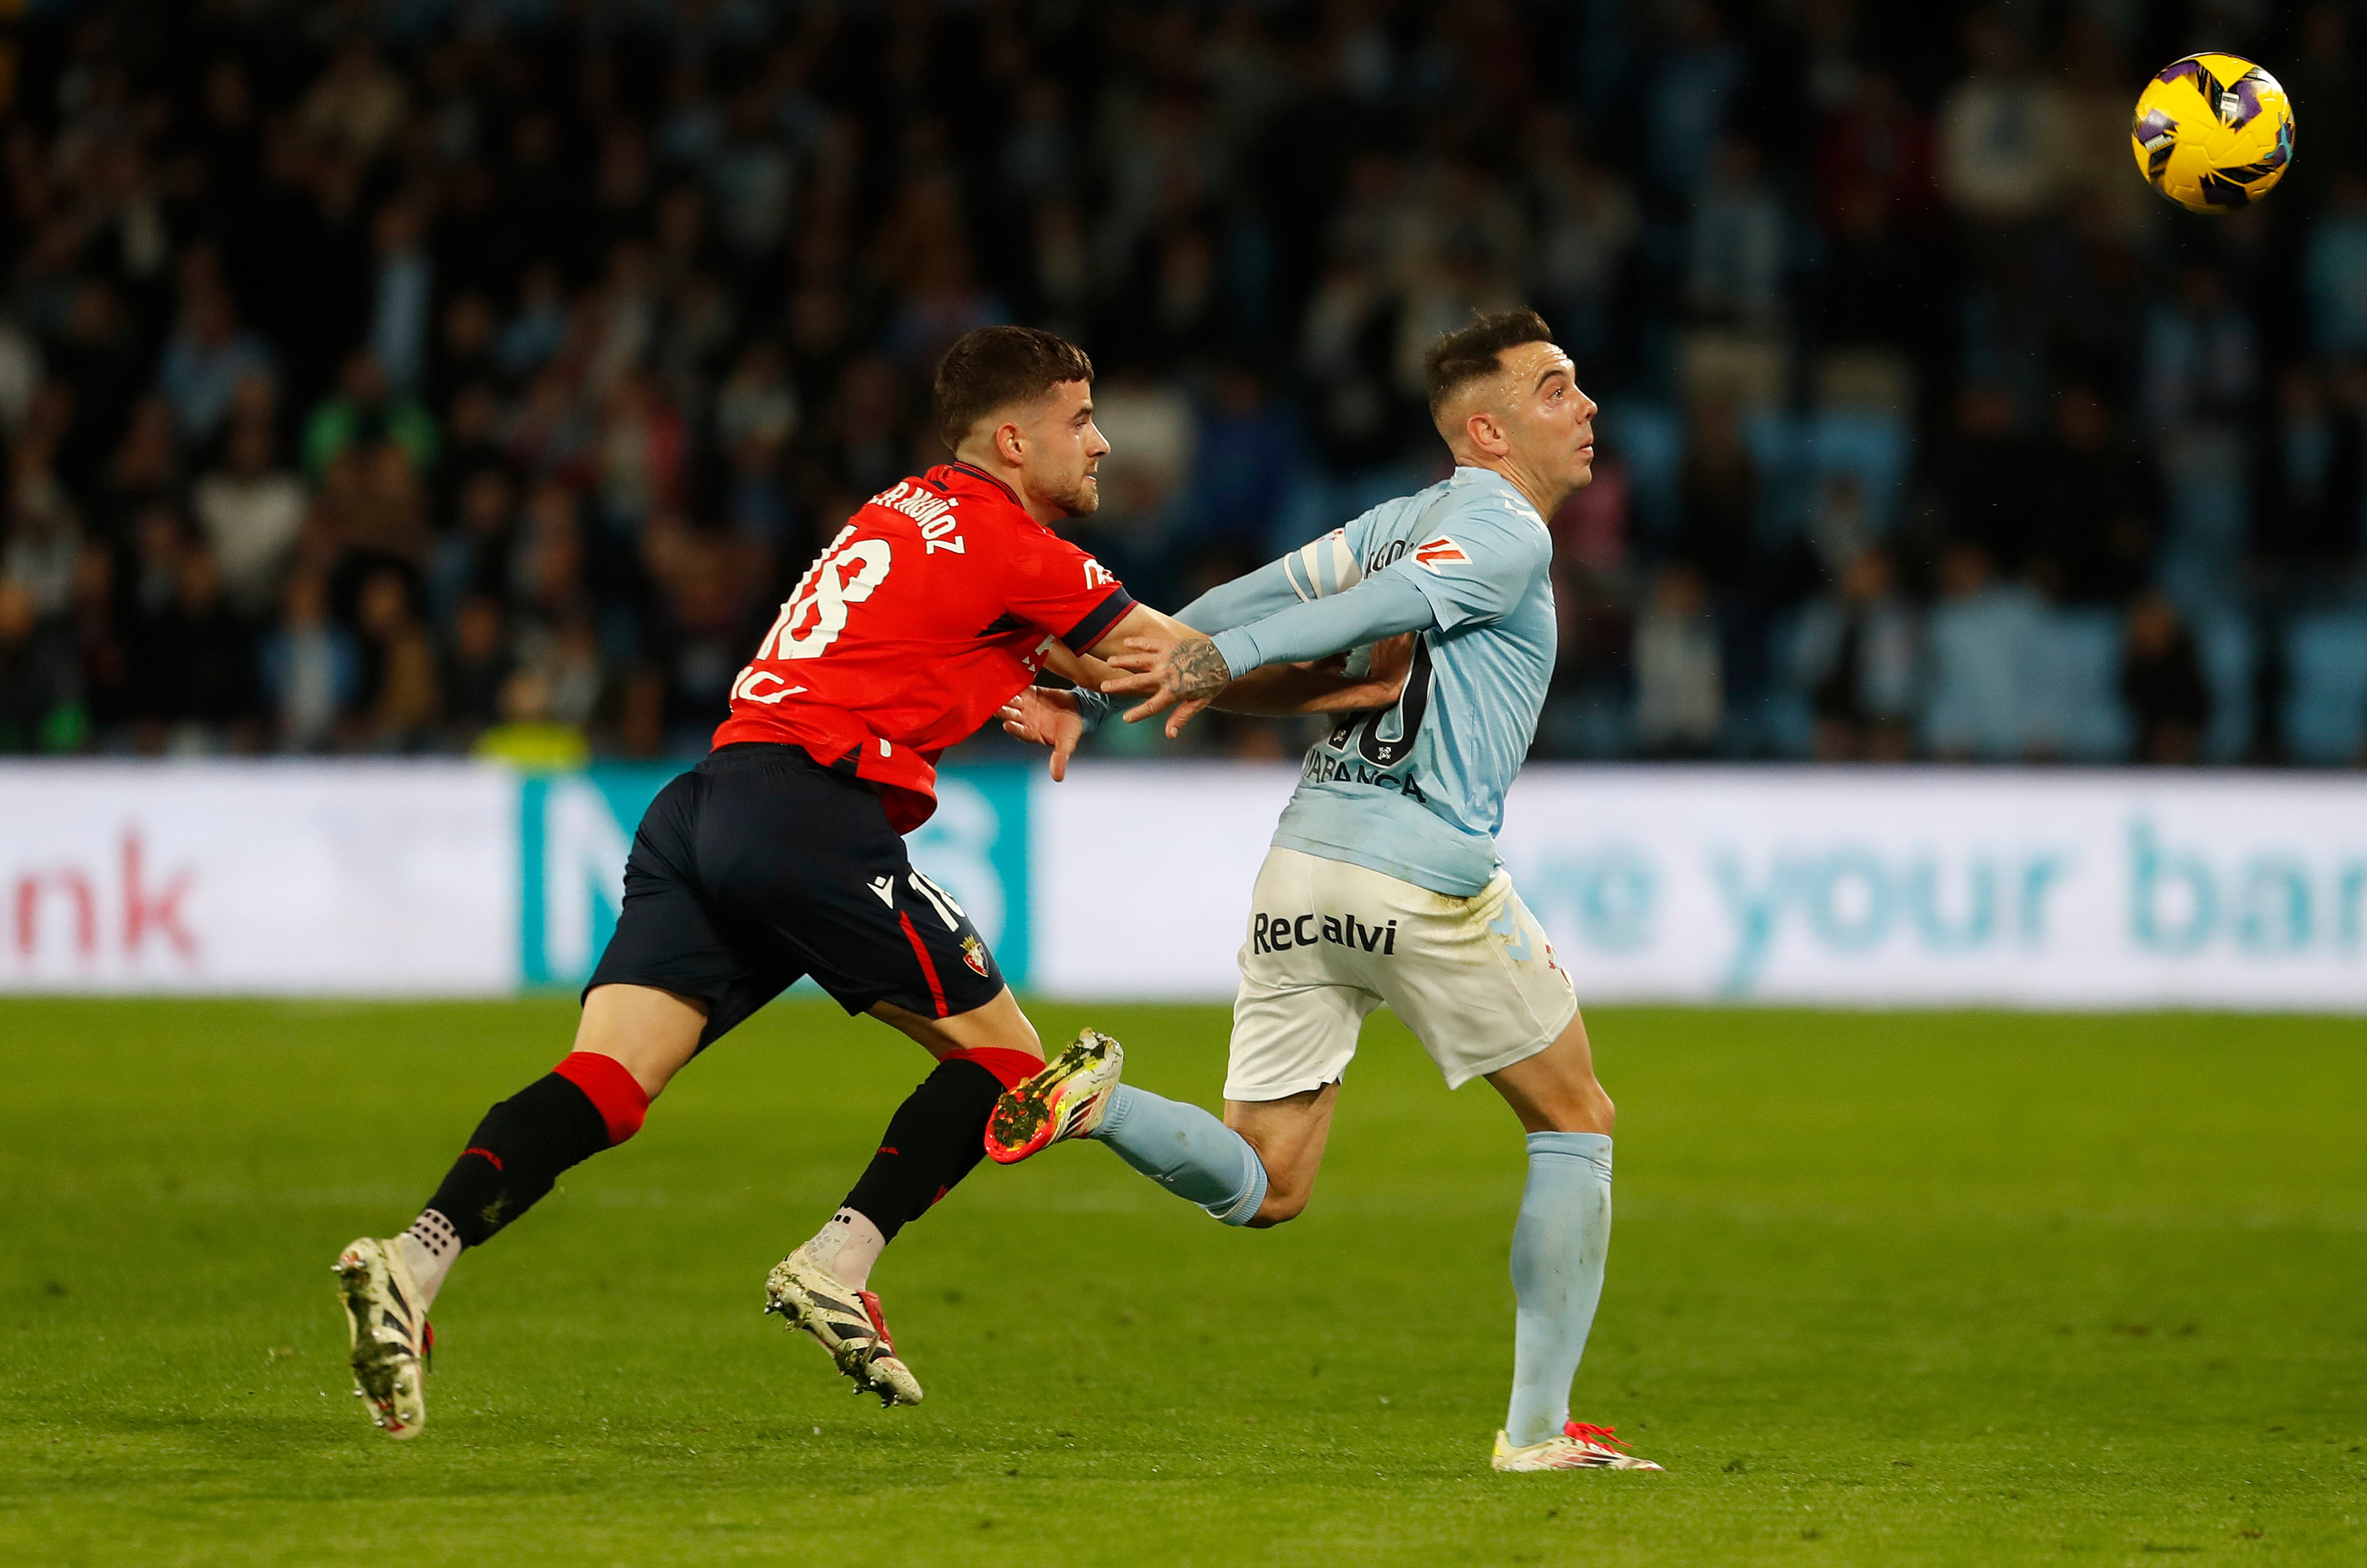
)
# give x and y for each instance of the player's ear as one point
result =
(1487, 433)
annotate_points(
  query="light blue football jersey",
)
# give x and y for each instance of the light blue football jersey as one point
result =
(1417, 791)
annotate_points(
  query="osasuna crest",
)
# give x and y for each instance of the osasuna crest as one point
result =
(974, 955)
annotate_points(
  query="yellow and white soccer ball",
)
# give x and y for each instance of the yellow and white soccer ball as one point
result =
(2214, 133)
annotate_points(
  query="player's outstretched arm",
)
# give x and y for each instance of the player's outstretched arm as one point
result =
(1323, 686)
(1177, 671)
(1054, 718)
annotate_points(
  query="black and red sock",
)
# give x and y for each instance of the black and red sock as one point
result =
(936, 1136)
(588, 1103)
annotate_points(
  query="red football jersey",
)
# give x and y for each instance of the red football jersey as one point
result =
(932, 607)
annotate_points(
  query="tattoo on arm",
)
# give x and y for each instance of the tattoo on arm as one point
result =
(1195, 669)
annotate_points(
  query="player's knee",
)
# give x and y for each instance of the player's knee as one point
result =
(1582, 1110)
(1277, 1209)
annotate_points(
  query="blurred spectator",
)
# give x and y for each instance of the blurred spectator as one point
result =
(476, 667)
(1988, 474)
(1585, 223)
(1860, 655)
(207, 356)
(2161, 680)
(1718, 492)
(1736, 272)
(357, 104)
(399, 700)
(1241, 465)
(210, 701)
(250, 513)
(1679, 676)
(364, 412)
(2335, 268)
(539, 325)
(527, 736)
(41, 684)
(402, 292)
(2309, 491)
(1686, 99)
(44, 535)
(2202, 353)
(310, 668)
(1985, 641)
(2095, 507)
(2002, 132)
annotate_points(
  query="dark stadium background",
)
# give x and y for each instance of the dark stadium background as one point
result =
(427, 377)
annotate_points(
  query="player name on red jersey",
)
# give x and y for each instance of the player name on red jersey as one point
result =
(932, 607)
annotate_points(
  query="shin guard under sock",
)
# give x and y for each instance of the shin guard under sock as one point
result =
(932, 1141)
(585, 1105)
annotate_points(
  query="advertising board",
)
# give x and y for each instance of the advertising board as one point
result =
(1853, 887)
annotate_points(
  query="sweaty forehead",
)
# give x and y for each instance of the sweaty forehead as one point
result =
(1529, 361)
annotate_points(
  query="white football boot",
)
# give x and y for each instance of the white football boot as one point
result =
(1068, 1100)
(1578, 1447)
(846, 1322)
(386, 1320)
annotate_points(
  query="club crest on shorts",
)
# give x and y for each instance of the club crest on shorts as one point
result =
(1440, 551)
(974, 955)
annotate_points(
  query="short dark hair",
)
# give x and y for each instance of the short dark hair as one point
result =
(1470, 353)
(995, 366)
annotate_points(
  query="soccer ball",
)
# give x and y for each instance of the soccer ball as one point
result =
(2214, 133)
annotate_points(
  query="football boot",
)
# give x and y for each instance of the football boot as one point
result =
(1578, 1447)
(844, 1321)
(1066, 1099)
(391, 1341)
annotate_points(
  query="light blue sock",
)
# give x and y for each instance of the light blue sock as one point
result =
(1557, 1252)
(1186, 1151)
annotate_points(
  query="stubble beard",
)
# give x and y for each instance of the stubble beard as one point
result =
(1082, 499)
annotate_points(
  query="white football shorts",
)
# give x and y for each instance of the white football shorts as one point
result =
(1473, 978)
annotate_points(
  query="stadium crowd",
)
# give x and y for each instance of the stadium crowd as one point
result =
(438, 375)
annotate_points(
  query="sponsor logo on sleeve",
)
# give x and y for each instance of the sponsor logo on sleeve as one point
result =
(1440, 551)
(1098, 575)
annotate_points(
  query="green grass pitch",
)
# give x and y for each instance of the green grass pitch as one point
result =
(1885, 1289)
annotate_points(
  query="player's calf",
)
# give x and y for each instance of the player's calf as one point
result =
(586, 1104)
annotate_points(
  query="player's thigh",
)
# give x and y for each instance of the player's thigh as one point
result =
(803, 860)
(674, 975)
(997, 1025)
(1555, 1090)
(651, 1033)
(1296, 1015)
(1474, 978)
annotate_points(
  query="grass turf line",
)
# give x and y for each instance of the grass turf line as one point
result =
(1932, 1289)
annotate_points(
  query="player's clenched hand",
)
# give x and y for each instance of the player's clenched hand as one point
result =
(1181, 673)
(1046, 718)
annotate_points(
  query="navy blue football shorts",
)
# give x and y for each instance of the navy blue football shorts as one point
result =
(760, 866)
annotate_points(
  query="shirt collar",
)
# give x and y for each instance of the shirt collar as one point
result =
(982, 476)
(1467, 474)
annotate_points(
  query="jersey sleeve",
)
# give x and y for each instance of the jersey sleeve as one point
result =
(1050, 583)
(1475, 565)
(1315, 571)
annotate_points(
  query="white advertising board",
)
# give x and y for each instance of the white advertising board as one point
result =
(1920, 887)
(280, 878)
(1914, 887)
